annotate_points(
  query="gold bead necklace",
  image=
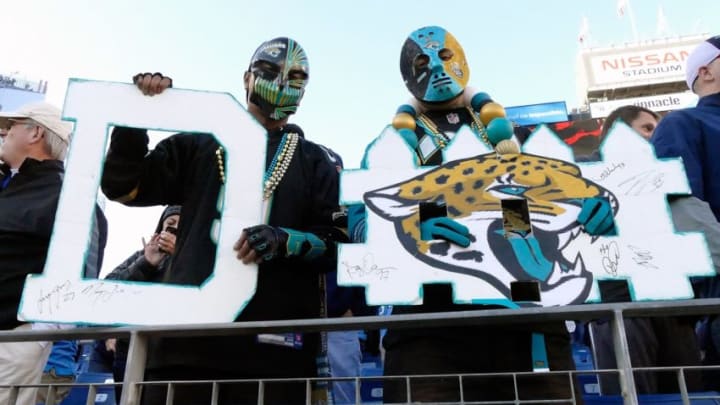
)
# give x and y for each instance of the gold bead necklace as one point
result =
(221, 166)
(478, 126)
(278, 166)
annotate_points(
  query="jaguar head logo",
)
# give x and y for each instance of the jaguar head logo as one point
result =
(472, 191)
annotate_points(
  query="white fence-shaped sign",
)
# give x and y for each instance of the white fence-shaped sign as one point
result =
(559, 255)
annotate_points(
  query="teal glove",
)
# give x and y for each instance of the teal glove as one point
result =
(270, 242)
(447, 229)
(303, 244)
(596, 216)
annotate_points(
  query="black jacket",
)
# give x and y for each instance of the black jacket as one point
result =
(27, 217)
(183, 170)
(136, 268)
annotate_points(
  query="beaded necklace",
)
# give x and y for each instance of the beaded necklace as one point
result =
(279, 165)
(220, 164)
(478, 127)
(431, 129)
(442, 139)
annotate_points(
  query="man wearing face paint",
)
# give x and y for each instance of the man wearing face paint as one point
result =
(292, 249)
(435, 71)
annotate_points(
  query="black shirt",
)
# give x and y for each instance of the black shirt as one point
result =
(27, 215)
(183, 170)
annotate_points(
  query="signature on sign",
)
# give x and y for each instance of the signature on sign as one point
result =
(53, 299)
(98, 292)
(102, 292)
(607, 171)
(610, 257)
(368, 268)
(643, 183)
(642, 257)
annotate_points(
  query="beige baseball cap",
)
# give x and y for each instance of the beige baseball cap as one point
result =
(41, 113)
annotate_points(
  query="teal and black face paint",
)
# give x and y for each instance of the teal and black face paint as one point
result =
(433, 65)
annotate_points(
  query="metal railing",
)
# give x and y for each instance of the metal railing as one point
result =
(616, 313)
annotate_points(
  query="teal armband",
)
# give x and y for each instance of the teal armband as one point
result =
(305, 245)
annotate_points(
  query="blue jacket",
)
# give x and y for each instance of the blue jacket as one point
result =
(694, 135)
(63, 358)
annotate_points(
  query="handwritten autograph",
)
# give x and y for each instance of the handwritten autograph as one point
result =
(609, 170)
(368, 268)
(610, 257)
(643, 183)
(95, 293)
(56, 296)
(102, 292)
(643, 257)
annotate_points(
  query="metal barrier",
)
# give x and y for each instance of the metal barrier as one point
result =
(139, 337)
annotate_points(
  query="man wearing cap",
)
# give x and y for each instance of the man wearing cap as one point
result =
(34, 144)
(694, 133)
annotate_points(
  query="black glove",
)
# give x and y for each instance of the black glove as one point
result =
(267, 241)
(140, 76)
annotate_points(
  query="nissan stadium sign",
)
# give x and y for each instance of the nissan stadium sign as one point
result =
(637, 64)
